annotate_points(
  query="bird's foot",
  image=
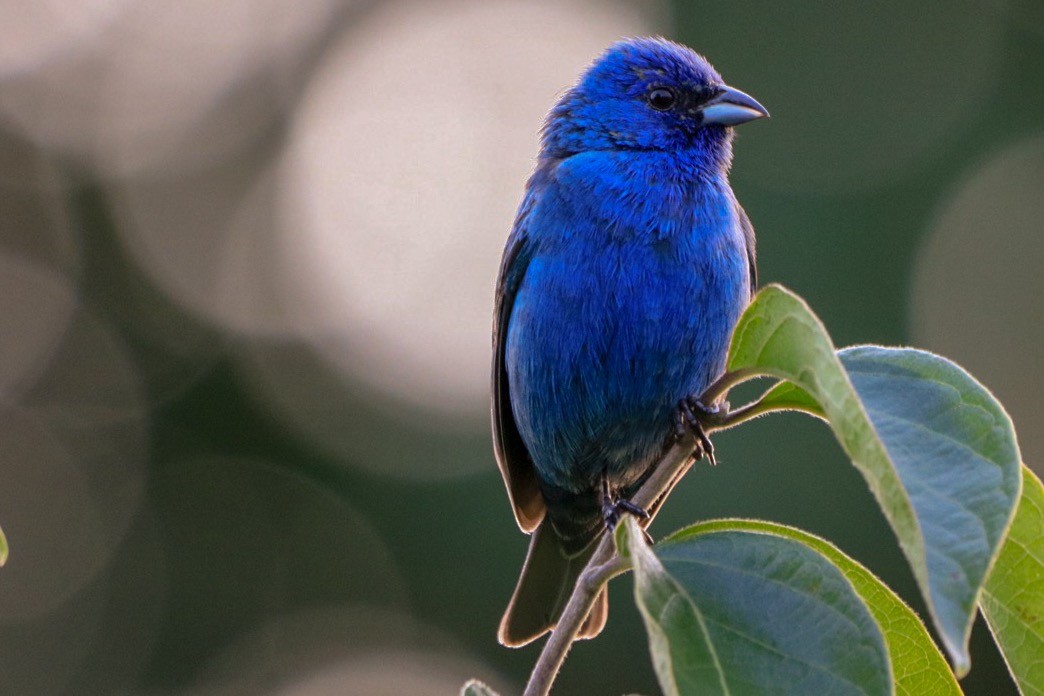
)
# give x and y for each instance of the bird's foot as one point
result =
(613, 508)
(691, 417)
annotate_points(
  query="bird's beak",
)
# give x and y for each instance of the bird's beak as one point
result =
(732, 107)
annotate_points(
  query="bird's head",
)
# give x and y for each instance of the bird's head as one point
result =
(650, 94)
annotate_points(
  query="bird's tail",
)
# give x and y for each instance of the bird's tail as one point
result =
(547, 580)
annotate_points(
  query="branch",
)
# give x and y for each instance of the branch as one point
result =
(604, 564)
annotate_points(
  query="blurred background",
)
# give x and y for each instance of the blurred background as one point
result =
(247, 256)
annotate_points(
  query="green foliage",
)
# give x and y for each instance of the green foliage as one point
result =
(731, 611)
(918, 668)
(1013, 601)
(937, 450)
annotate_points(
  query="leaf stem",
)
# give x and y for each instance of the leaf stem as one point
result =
(743, 414)
(727, 381)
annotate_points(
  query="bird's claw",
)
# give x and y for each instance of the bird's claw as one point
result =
(715, 414)
(613, 508)
(691, 416)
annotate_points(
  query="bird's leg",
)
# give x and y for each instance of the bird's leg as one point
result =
(613, 506)
(691, 415)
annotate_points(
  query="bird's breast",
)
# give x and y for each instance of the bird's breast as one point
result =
(615, 321)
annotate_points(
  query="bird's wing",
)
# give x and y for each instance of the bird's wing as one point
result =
(752, 255)
(513, 458)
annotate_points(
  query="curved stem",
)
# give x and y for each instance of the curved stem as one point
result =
(604, 564)
(741, 415)
(727, 381)
(754, 409)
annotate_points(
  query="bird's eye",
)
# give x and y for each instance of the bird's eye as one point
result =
(661, 98)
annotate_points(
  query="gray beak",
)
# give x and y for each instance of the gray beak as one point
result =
(732, 107)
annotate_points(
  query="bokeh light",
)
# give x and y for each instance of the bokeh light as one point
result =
(403, 172)
(978, 290)
(209, 240)
(160, 85)
(389, 254)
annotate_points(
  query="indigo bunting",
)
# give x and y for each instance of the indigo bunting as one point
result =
(628, 265)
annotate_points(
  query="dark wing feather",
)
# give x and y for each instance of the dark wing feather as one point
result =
(512, 456)
(752, 255)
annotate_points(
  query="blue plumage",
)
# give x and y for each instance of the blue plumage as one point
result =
(628, 266)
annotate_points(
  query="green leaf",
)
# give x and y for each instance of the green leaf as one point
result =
(935, 447)
(1013, 601)
(476, 688)
(3, 548)
(918, 668)
(740, 612)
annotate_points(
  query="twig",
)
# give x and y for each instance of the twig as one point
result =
(604, 564)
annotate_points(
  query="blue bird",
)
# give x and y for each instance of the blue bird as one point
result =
(629, 263)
